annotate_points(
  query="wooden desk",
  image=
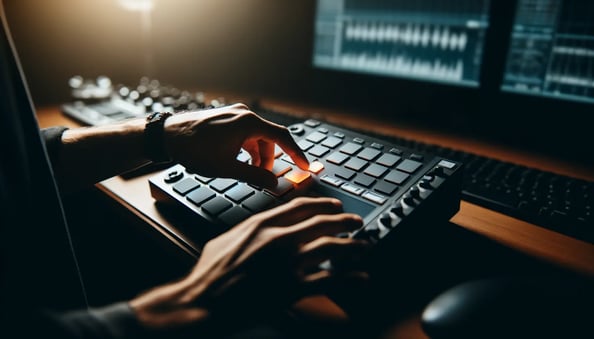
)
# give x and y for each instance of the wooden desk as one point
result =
(566, 252)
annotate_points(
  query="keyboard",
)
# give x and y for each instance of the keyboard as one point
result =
(394, 189)
(556, 202)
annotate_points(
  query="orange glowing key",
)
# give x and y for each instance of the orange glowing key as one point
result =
(316, 167)
(297, 176)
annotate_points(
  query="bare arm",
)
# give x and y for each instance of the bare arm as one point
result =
(206, 141)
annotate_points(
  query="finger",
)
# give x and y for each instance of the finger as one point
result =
(281, 136)
(266, 150)
(313, 253)
(252, 174)
(252, 148)
(300, 209)
(321, 225)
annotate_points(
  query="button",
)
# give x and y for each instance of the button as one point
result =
(200, 195)
(331, 180)
(351, 148)
(297, 176)
(385, 188)
(446, 164)
(216, 206)
(337, 158)
(376, 170)
(244, 157)
(316, 167)
(312, 123)
(397, 209)
(239, 193)
(377, 146)
(278, 151)
(344, 173)
(396, 177)
(409, 166)
(356, 164)
(234, 215)
(416, 157)
(319, 151)
(203, 179)
(305, 145)
(359, 140)
(395, 151)
(186, 185)
(296, 129)
(316, 137)
(376, 198)
(364, 180)
(388, 160)
(281, 188)
(369, 153)
(323, 130)
(352, 189)
(222, 184)
(409, 200)
(258, 202)
(332, 142)
(288, 159)
(339, 135)
(173, 176)
(280, 168)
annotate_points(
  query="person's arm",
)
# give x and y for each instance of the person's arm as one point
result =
(206, 141)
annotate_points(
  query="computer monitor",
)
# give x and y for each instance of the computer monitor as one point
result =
(520, 72)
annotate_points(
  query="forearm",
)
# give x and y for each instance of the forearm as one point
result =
(89, 155)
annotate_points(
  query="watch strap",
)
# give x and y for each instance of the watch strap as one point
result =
(154, 137)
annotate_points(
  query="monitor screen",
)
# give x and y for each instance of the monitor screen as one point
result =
(431, 40)
(552, 49)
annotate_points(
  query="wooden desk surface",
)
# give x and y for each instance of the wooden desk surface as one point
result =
(566, 252)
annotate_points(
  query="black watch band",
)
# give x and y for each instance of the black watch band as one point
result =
(154, 142)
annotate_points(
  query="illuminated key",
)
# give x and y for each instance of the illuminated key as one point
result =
(316, 167)
(297, 176)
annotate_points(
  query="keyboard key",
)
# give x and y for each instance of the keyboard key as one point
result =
(374, 197)
(222, 184)
(280, 168)
(332, 142)
(200, 195)
(319, 151)
(416, 157)
(278, 151)
(234, 215)
(339, 135)
(352, 189)
(364, 180)
(375, 170)
(388, 160)
(409, 166)
(330, 180)
(344, 173)
(305, 145)
(244, 157)
(297, 176)
(312, 123)
(258, 202)
(359, 140)
(337, 158)
(396, 151)
(356, 164)
(369, 153)
(316, 137)
(186, 185)
(323, 130)
(351, 148)
(385, 188)
(203, 179)
(396, 177)
(377, 146)
(316, 167)
(282, 188)
(239, 193)
(216, 206)
(288, 159)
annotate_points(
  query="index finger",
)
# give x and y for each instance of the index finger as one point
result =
(281, 136)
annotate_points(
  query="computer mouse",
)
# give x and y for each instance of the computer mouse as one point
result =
(512, 308)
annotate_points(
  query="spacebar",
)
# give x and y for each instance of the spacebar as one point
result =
(349, 203)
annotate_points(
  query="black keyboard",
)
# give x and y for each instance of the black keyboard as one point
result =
(556, 202)
(394, 189)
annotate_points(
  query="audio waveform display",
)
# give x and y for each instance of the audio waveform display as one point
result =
(552, 49)
(394, 38)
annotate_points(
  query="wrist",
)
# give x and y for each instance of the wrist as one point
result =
(154, 137)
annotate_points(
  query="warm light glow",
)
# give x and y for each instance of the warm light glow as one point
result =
(137, 5)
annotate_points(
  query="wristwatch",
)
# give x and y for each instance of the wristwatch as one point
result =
(154, 142)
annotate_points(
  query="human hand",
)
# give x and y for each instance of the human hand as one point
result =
(208, 142)
(261, 266)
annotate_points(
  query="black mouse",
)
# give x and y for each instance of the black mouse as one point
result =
(540, 307)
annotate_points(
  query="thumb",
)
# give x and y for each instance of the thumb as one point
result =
(253, 175)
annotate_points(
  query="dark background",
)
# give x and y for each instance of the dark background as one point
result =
(262, 48)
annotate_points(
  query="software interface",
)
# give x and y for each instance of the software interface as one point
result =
(550, 52)
(424, 39)
(552, 49)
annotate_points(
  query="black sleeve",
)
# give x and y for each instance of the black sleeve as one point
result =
(52, 138)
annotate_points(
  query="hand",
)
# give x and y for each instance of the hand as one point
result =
(262, 265)
(209, 141)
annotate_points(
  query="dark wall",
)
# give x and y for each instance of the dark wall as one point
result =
(250, 46)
